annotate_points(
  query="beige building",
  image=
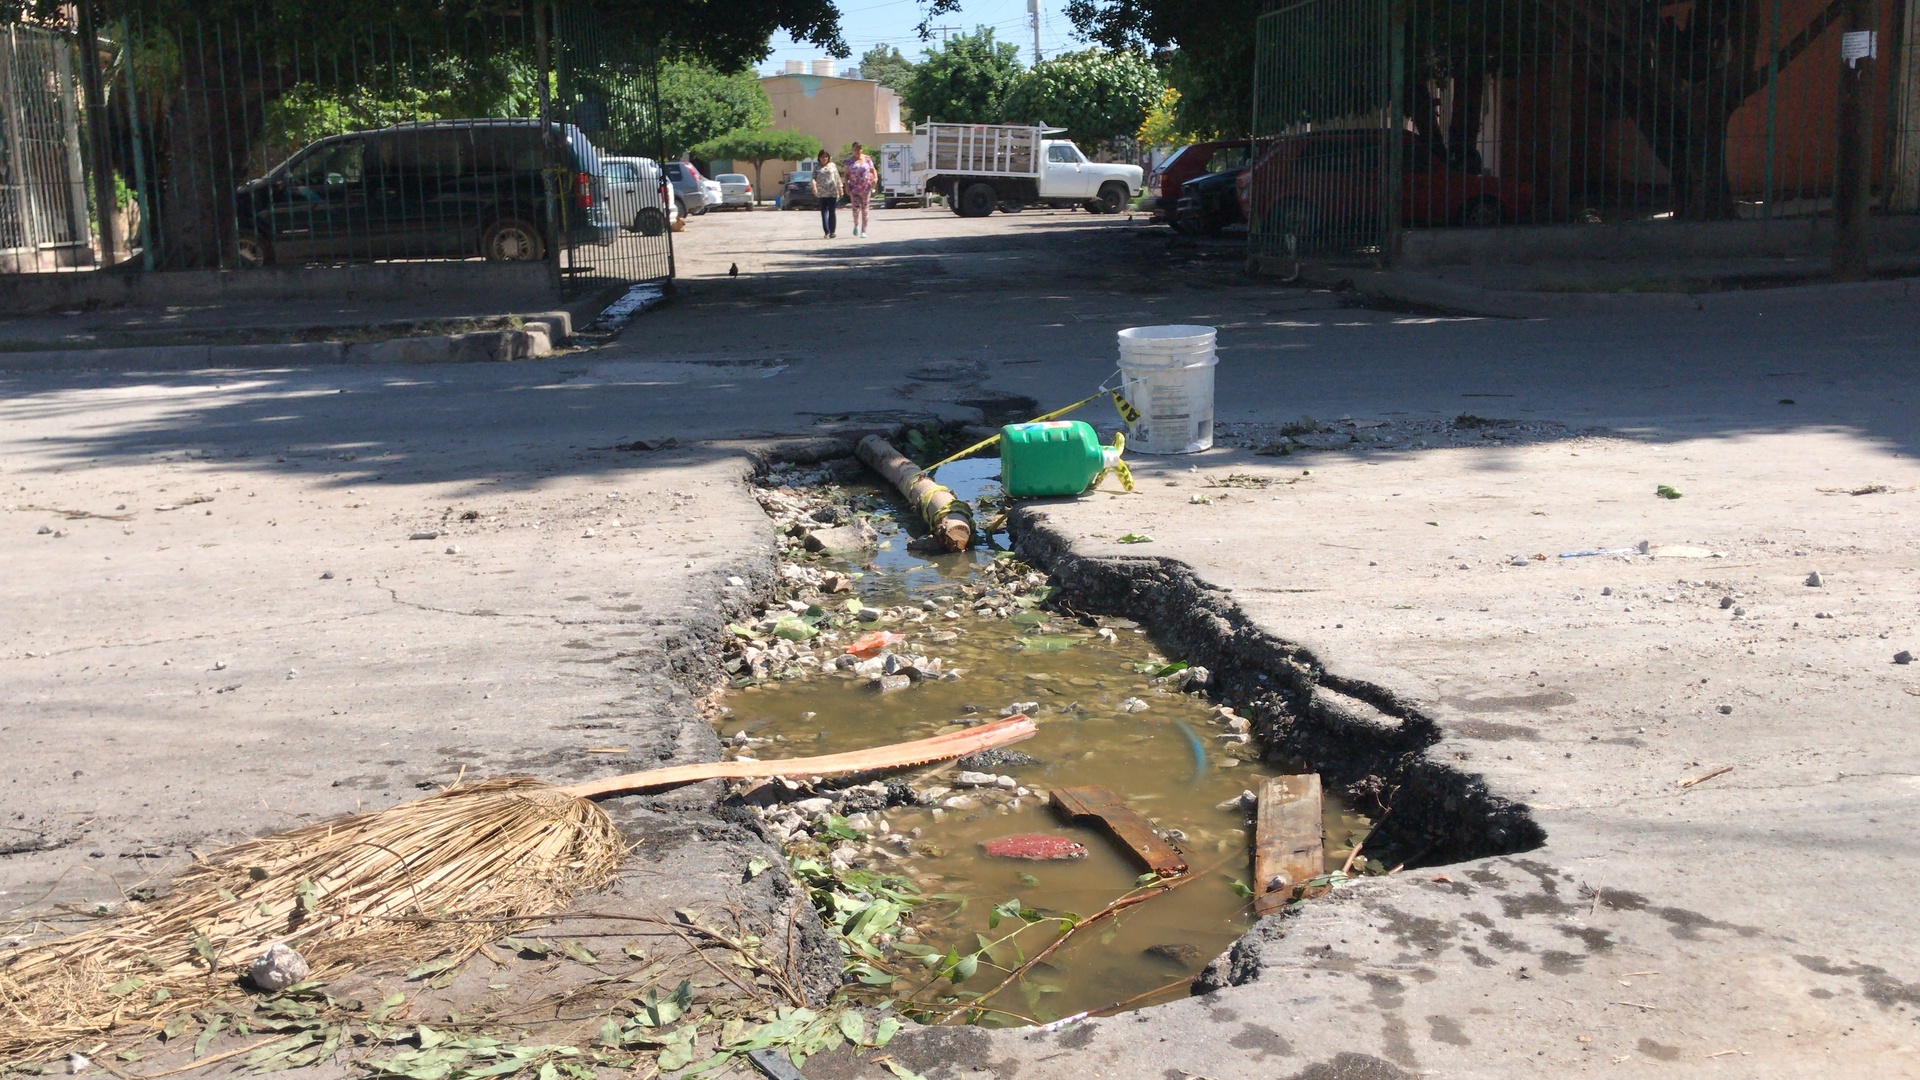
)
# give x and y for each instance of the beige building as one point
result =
(836, 111)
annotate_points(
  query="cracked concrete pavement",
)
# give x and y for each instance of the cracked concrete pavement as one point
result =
(187, 676)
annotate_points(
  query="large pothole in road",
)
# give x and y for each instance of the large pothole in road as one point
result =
(940, 881)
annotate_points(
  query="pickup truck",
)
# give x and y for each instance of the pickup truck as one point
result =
(983, 167)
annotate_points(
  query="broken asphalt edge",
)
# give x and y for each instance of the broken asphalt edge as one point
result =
(1357, 728)
(1425, 290)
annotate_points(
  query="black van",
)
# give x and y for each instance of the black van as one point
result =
(437, 189)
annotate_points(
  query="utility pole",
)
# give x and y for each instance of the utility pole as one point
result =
(1033, 16)
(1853, 169)
(943, 33)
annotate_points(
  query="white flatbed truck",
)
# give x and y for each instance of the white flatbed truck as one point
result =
(980, 168)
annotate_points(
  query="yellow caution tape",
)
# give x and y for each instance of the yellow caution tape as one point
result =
(1119, 467)
(1125, 408)
(994, 438)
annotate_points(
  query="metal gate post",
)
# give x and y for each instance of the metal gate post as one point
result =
(1394, 12)
(140, 197)
(543, 60)
(103, 200)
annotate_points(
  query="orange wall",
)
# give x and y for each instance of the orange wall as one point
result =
(1807, 105)
(1608, 153)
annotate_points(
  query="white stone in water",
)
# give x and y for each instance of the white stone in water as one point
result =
(813, 806)
(1020, 707)
(278, 968)
(962, 802)
(1007, 782)
(975, 779)
(1133, 705)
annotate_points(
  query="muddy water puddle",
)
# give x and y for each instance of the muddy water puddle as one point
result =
(1109, 712)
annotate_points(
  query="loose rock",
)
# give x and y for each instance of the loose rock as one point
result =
(278, 968)
(1176, 952)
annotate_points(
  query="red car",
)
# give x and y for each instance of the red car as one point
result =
(1188, 162)
(1327, 183)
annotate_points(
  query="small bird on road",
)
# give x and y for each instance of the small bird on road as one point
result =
(733, 269)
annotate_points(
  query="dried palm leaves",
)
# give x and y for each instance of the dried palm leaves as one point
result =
(387, 888)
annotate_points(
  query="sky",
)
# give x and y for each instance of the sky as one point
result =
(867, 23)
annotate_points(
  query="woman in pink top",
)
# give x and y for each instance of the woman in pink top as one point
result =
(862, 177)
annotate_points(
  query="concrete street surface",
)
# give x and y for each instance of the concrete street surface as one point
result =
(219, 622)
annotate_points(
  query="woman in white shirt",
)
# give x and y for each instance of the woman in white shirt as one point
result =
(827, 185)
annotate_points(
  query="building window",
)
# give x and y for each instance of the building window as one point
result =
(836, 112)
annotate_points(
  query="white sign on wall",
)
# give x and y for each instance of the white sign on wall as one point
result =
(1858, 45)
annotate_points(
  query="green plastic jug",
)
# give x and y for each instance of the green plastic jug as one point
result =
(1056, 457)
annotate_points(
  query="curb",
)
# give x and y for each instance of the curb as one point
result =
(1414, 288)
(536, 337)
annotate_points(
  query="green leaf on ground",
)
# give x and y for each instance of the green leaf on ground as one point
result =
(792, 628)
(1667, 492)
(1136, 538)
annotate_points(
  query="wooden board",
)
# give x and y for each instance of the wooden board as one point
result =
(1287, 848)
(898, 756)
(1136, 833)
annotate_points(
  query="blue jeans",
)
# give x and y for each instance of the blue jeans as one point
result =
(828, 223)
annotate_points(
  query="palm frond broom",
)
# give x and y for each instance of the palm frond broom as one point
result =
(435, 877)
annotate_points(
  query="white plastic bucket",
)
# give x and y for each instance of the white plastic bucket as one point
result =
(1166, 374)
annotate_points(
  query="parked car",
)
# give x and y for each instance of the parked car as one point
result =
(798, 192)
(688, 189)
(637, 195)
(716, 195)
(735, 190)
(1209, 203)
(1328, 181)
(438, 189)
(1164, 183)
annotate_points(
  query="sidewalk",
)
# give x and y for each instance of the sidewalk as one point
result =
(1547, 289)
(478, 327)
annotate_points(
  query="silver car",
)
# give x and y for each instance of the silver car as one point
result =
(735, 190)
(689, 188)
(637, 195)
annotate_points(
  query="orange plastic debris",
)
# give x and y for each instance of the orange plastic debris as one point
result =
(870, 644)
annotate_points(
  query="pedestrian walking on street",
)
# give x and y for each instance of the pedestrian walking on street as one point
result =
(861, 178)
(827, 185)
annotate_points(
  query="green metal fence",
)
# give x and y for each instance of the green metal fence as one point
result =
(247, 139)
(1378, 115)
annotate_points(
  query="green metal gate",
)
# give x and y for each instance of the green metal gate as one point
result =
(609, 89)
(1326, 107)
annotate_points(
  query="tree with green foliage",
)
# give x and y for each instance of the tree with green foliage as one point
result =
(759, 145)
(965, 81)
(1210, 45)
(1096, 95)
(886, 65)
(1162, 127)
(698, 102)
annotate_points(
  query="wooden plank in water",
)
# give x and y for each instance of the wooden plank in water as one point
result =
(1126, 825)
(1287, 843)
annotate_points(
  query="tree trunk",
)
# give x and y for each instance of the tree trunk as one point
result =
(196, 189)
